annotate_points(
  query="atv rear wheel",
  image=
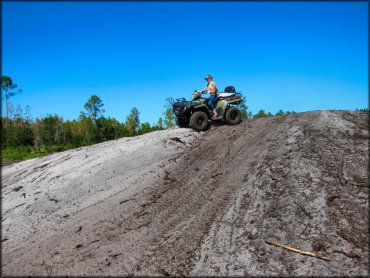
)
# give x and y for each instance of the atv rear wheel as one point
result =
(199, 121)
(233, 116)
(181, 122)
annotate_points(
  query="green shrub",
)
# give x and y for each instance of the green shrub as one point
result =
(15, 153)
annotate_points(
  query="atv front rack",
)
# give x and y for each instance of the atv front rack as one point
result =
(180, 99)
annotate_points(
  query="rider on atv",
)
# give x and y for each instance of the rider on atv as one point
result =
(198, 114)
(211, 89)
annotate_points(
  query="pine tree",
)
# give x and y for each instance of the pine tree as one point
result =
(133, 122)
(9, 88)
(94, 108)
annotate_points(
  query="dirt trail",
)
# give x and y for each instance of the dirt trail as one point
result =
(178, 202)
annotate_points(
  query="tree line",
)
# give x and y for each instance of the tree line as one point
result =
(23, 137)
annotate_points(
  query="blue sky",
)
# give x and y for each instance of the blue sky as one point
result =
(297, 56)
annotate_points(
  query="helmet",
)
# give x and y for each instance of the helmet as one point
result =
(208, 76)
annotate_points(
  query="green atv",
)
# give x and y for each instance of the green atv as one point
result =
(198, 114)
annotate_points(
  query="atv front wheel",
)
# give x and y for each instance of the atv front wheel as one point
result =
(199, 121)
(181, 122)
(233, 116)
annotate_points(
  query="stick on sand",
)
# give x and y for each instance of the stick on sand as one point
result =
(297, 250)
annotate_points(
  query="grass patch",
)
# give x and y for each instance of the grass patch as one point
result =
(20, 153)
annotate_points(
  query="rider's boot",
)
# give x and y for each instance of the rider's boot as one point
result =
(215, 115)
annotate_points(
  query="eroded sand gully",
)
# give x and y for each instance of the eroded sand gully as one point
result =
(178, 202)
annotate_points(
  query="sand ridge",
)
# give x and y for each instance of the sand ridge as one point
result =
(179, 202)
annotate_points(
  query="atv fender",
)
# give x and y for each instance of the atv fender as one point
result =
(221, 105)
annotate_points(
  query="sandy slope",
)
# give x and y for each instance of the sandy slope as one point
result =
(177, 202)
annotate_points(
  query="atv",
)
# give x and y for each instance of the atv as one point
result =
(198, 114)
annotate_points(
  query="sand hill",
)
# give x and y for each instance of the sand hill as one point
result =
(178, 202)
